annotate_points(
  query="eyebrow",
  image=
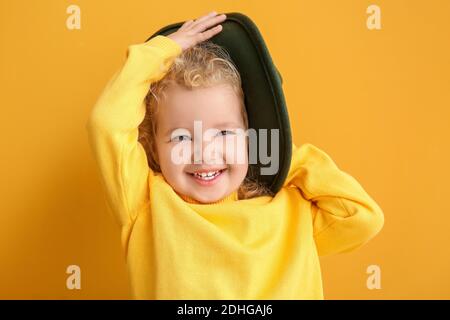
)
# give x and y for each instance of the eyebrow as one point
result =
(230, 125)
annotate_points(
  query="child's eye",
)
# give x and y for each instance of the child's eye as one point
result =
(225, 132)
(180, 138)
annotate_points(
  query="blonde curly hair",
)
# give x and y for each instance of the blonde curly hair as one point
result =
(202, 65)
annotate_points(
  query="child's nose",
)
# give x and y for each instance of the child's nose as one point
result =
(208, 152)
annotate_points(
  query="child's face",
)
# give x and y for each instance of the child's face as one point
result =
(220, 149)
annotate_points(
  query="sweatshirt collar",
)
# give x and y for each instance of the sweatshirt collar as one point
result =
(230, 198)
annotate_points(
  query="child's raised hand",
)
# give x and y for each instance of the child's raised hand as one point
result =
(196, 31)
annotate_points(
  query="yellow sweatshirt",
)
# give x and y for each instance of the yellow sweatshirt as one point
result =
(260, 248)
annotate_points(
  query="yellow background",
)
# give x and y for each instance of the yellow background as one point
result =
(376, 101)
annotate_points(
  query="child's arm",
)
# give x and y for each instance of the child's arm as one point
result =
(113, 126)
(113, 123)
(344, 216)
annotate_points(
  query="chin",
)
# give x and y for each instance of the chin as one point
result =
(203, 198)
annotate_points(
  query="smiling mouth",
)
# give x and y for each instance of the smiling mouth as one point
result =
(206, 176)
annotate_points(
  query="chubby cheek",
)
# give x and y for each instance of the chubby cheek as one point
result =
(176, 178)
(237, 174)
(235, 151)
(236, 157)
(171, 171)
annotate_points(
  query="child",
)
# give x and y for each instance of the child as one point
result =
(203, 229)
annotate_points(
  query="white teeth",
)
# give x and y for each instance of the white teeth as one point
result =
(207, 175)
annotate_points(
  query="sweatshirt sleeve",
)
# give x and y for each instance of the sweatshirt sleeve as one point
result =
(344, 216)
(113, 123)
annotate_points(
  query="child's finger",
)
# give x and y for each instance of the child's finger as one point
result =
(211, 32)
(186, 24)
(207, 16)
(202, 26)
